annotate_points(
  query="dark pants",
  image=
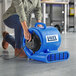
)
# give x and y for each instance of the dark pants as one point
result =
(14, 23)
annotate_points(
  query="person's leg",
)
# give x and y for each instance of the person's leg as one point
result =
(8, 38)
(18, 34)
(14, 22)
(18, 38)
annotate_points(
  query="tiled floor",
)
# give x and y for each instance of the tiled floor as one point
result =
(23, 67)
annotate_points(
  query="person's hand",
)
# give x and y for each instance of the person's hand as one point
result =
(27, 36)
(40, 26)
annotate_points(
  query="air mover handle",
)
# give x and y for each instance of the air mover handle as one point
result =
(36, 25)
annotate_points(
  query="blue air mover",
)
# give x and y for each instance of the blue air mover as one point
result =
(44, 44)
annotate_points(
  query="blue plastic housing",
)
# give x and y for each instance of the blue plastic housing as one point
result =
(50, 42)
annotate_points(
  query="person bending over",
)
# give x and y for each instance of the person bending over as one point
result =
(18, 17)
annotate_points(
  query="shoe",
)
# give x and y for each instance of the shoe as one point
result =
(4, 42)
(20, 53)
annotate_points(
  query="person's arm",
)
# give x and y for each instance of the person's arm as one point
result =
(38, 13)
(26, 32)
(18, 4)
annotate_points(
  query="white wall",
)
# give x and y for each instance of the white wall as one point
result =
(0, 16)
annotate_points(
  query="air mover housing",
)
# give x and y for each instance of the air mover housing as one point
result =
(46, 40)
